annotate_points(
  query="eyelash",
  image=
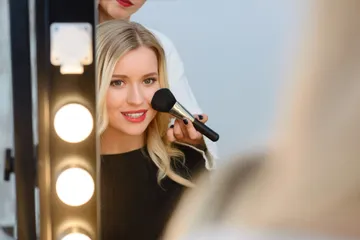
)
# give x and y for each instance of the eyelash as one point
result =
(114, 82)
(152, 79)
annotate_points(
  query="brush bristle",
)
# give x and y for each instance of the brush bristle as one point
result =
(163, 100)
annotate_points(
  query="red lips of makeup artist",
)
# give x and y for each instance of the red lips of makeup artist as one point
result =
(125, 3)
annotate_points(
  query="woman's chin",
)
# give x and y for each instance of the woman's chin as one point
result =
(119, 13)
(134, 130)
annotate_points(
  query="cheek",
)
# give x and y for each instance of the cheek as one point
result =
(149, 92)
(114, 100)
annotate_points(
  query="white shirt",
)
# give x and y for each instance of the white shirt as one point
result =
(181, 89)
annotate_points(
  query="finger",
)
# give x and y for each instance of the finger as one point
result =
(183, 128)
(170, 134)
(202, 117)
(178, 133)
(191, 131)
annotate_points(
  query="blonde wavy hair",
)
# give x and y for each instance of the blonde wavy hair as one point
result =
(114, 39)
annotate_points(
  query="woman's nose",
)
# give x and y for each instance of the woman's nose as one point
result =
(135, 96)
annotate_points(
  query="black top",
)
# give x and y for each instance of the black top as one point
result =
(133, 205)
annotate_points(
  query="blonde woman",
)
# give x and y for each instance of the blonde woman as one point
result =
(308, 185)
(142, 173)
(178, 82)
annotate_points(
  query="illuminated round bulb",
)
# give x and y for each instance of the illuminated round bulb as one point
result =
(73, 123)
(76, 236)
(75, 186)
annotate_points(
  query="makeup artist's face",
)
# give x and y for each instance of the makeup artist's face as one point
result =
(134, 83)
(121, 9)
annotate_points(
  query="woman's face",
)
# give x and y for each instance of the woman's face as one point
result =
(120, 9)
(134, 82)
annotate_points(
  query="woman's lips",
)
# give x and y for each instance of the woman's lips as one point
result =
(135, 116)
(125, 3)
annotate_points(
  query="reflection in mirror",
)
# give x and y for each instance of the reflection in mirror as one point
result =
(147, 158)
(142, 171)
(239, 74)
(234, 56)
(251, 63)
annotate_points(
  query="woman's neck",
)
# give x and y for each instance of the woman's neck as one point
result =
(113, 141)
(103, 16)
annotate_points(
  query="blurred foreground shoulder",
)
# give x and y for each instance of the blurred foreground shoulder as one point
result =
(213, 195)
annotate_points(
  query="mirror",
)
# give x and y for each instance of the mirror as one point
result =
(233, 57)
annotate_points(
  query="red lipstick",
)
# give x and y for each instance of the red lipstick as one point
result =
(125, 3)
(135, 116)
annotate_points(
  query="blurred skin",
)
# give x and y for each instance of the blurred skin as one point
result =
(310, 180)
(134, 83)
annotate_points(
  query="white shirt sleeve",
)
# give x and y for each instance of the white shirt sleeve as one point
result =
(181, 89)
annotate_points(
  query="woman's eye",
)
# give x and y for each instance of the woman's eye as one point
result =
(149, 81)
(116, 83)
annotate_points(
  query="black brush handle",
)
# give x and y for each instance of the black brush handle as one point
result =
(205, 130)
